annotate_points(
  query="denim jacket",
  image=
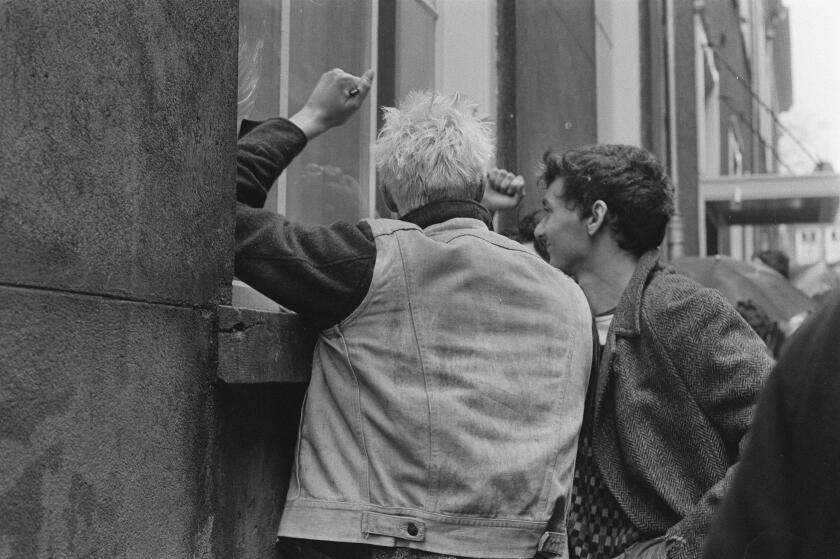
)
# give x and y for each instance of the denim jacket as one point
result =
(443, 412)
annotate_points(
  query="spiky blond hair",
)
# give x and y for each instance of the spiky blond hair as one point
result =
(433, 147)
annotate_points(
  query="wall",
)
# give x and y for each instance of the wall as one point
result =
(736, 108)
(116, 150)
(687, 149)
(554, 82)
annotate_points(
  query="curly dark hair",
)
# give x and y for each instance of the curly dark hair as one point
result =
(628, 179)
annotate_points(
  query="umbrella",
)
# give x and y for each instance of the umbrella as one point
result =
(743, 281)
(817, 278)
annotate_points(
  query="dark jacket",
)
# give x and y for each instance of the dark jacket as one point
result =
(675, 393)
(785, 499)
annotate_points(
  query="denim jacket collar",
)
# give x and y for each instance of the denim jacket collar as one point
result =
(444, 210)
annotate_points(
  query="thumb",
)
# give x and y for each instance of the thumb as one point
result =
(364, 83)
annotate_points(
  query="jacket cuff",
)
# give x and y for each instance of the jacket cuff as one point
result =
(553, 542)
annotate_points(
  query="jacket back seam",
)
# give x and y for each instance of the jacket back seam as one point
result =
(361, 417)
(431, 483)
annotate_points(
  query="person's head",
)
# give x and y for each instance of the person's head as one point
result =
(524, 234)
(432, 147)
(618, 191)
(775, 259)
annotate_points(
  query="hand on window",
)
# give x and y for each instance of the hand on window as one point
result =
(335, 98)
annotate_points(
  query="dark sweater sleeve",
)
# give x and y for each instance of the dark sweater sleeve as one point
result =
(321, 272)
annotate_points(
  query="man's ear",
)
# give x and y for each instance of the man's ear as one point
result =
(597, 217)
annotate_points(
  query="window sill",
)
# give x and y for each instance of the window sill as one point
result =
(263, 346)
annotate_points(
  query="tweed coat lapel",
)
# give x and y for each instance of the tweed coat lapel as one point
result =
(626, 322)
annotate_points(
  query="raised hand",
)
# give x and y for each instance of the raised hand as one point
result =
(503, 190)
(336, 97)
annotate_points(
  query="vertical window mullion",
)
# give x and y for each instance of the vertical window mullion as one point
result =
(283, 102)
(370, 179)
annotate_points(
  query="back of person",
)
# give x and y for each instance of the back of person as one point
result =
(451, 398)
(449, 375)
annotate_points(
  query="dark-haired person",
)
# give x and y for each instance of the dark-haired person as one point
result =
(775, 259)
(679, 369)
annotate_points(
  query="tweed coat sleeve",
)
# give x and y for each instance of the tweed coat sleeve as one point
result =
(724, 365)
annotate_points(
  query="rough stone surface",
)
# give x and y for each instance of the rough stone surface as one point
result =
(107, 427)
(116, 162)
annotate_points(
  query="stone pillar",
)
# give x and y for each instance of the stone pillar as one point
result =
(117, 139)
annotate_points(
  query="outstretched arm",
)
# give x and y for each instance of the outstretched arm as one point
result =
(267, 148)
(321, 272)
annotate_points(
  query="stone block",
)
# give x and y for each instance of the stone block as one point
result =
(107, 427)
(263, 347)
(117, 147)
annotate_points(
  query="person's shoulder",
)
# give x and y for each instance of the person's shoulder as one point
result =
(385, 226)
(670, 299)
(667, 287)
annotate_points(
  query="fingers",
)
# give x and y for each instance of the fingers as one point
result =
(350, 85)
(336, 97)
(364, 83)
(504, 190)
(505, 182)
(359, 87)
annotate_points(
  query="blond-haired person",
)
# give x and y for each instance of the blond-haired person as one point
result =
(451, 364)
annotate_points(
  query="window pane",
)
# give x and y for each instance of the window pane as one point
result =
(259, 59)
(330, 179)
(415, 37)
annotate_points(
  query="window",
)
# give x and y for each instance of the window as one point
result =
(284, 47)
(707, 82)
(832, 244)
(745, 23)
(414, 66)
(808, 246)
(735, 160)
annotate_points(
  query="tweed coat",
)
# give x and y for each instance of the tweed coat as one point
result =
(674, 400)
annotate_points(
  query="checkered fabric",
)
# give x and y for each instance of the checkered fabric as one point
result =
(596, 526)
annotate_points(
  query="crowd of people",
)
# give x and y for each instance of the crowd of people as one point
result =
(472, 396)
